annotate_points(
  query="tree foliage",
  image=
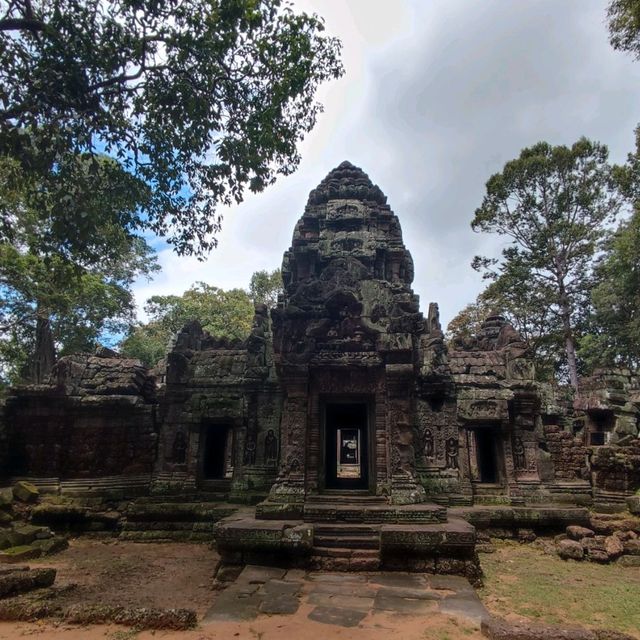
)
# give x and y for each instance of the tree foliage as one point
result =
(553, 204)
(624, 26)
(60, 292)
(196, 98)
(265, 287)
(221, 313)
(614, 338)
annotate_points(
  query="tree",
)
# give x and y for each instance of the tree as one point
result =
(59, 294)
(554, 204)
(467, 323)
(615, 326)
(221, 313)
(197, 99)
(265, 286)
(624, 26)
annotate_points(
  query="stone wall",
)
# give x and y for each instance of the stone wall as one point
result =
(96, 418)
(568, 453)
(213, 384)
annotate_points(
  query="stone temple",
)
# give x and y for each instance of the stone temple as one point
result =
(362, 439)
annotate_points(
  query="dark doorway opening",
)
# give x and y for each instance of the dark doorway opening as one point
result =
(487, 455)
(215, 454)
(347, 446)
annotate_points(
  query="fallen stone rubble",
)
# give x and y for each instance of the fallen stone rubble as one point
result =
(609, 538)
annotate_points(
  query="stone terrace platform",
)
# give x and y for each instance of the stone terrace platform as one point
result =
(341, 534)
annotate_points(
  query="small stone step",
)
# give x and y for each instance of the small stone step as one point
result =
(351, 542)
(334, 529)
(327, 560)
(346, 498)
(344, 552)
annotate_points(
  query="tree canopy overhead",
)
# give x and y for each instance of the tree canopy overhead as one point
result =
(199, 99)
(554, 204)
(624, 25)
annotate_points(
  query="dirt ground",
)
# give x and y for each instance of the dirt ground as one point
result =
(522, 582)
(181, 575)
(135, 575)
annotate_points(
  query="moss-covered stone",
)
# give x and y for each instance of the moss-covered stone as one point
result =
(51, 545)
(19, 554)
(25, 491)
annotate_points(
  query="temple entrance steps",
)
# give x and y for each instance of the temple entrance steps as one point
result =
(346, 547)
(346, 536)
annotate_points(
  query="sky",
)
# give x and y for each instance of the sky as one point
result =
(436, 97)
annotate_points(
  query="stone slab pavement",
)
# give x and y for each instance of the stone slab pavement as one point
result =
(344, 599)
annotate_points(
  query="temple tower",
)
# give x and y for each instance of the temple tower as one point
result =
(346, 343)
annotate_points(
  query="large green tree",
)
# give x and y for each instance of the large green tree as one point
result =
(199, 99)
(221, 313)
(614, 338)
(553, 205)
(58, 293)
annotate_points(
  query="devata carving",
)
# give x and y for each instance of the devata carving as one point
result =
(179, 449)
(271, 448)
(519, 461)
(451, 452)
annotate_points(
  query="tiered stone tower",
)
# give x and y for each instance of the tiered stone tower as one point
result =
(347, 331)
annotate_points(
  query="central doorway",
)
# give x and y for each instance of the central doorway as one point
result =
(346, 446)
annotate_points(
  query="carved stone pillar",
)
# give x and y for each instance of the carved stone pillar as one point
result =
(290, 484)
(405, 488)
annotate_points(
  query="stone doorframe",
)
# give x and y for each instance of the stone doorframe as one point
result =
(317, 437)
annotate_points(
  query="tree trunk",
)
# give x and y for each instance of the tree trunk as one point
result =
(570, 346)
(44, 355)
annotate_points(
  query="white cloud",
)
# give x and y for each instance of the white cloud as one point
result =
(437, 96)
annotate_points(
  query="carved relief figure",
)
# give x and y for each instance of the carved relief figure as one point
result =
(250, 449)
(451, 451)
(519, 461)
(270, 448)
(179, 449)
(428, 444)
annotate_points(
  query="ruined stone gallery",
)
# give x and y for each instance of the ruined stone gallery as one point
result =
(360, 437)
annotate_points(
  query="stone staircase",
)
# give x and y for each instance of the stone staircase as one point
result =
(346, 547)
(349, 531)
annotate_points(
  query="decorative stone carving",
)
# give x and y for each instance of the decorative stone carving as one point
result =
(451, 452)
(179, 448)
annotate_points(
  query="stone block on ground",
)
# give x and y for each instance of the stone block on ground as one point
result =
(576, 532)
(613, 546)
(570, 550)
(633, 504)
(19, 554)
(5, 518)
(28, 533)
(498, 629)
(629, 561)
(50, 546)
(25, 580)
(25, 491)
(6, 498)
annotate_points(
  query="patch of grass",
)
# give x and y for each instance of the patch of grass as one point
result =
(524, 580)
(129, 634)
